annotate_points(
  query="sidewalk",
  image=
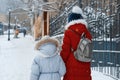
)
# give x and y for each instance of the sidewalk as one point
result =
(16, 57)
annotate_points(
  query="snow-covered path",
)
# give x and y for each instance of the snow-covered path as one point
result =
(16, 57)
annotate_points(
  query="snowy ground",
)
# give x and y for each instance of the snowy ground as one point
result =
(16, 57)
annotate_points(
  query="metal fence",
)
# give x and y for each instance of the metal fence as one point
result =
(107, 62)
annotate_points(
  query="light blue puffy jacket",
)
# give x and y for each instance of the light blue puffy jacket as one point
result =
(47, 65)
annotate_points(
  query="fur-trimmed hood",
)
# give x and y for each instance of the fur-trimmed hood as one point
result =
(47, 46)
(47, 39)
(80, 21)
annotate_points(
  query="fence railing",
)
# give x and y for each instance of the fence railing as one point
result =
(107, 62)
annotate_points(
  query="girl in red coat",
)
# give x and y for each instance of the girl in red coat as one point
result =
(76, 70)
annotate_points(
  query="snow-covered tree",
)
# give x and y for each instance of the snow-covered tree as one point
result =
(99, 23)
(89, 12)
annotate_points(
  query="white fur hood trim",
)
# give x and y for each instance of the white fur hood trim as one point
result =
(81, 21)
(46, 39)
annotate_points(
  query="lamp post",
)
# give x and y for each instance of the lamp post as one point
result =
(9, 25)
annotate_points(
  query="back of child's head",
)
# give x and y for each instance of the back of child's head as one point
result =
(47, 45)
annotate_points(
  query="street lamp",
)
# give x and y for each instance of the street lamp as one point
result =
(9, 25)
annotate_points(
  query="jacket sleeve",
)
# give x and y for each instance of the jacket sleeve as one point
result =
(65, 52)
(35, 72)
(62, 69)
(87, 33)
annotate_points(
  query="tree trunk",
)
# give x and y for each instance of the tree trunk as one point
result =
(37, 27)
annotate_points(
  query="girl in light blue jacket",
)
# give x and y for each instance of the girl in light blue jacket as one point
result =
(47, 65)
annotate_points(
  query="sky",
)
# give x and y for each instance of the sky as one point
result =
(6, 4)
(3, 6)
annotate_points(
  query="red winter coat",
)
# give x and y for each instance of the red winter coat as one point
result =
(76, 70)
